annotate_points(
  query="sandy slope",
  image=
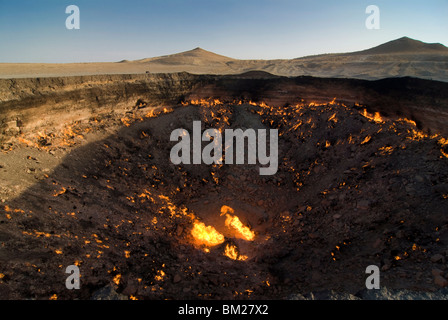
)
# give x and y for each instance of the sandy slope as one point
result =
(402, 57)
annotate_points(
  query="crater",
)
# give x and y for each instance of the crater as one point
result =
(353, 188)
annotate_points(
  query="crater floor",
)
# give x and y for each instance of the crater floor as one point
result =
(352, 189)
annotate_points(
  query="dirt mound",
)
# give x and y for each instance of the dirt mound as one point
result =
(352, 189)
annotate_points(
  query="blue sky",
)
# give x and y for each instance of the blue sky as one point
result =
(112, 30)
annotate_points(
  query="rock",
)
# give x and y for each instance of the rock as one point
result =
(186, 289)
(214, 279)
(179, 230)
(386, 266)
(410, 189)
(336, 216)
(378, 242)
(441, 188)
(400, 294)
(12, 127)
(260, 202)
(437, 272)
(440, 281)
(363, 204)
(318, 169)
(395, 187)
(177, 278)
(438, 258)
(107, 293)
(419, 178)
(130, 289)
(325, 202)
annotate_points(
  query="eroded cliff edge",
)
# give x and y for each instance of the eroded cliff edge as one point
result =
(36, 103)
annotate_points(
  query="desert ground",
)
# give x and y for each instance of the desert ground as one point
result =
(398, 58)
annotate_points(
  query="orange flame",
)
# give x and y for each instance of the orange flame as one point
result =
(444, 153)
(366, 139)
(333, 118)
(206, 235)
(411, 122)
(58, 193)
(232, 252)
(233, 222)
(203, 102)
(376, 117)
(443, 142)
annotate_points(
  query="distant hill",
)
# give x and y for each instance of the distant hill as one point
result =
(196, 56)
(406, 45)
(398, 58)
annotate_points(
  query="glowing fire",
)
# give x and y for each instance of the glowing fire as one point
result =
(445, 154)
(443, 142)
(206, 235)
(233, 222)
(58, 193)
(411, 122)
(366, 139)
(203, 102)
(376, 117)
(333, 118)
(232, 252)
(214, 102)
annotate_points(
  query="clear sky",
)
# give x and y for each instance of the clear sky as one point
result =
(113, 30)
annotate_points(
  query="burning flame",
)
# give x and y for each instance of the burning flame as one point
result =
(366, 139)
(232, 252)
(203, 102)
(117, 279)
(160, 275)
(411, 122)
(333, 118)
(376, 117)
(233, 222)
(214, 102)
(206, 235)
(58, 193)
(445, 154)
(443, 142)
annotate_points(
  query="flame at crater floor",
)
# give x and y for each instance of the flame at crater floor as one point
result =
(206, 235)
